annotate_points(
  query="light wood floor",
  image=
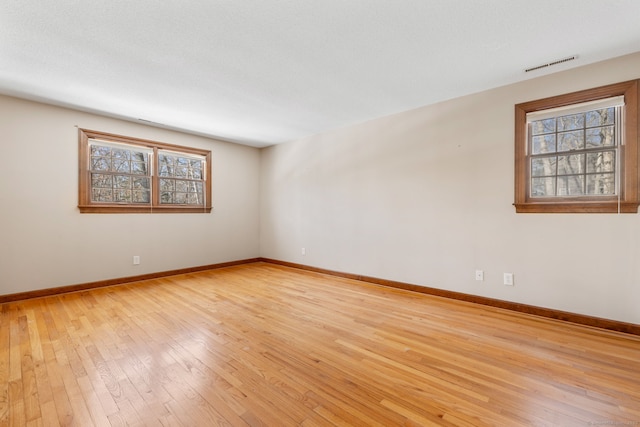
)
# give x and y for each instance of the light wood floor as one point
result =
(261, 344)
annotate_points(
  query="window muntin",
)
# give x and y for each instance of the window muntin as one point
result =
(575, 154)
(122, 174)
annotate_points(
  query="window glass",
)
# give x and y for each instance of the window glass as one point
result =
(121, 174)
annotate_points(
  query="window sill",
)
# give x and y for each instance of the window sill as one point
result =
(577, 207)
(142, 209)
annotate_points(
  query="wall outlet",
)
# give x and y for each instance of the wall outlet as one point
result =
(136, 260)
(303, 251)
(479, 275)
(508, 279)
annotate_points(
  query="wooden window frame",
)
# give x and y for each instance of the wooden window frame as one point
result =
(628, 199)
(86, 205)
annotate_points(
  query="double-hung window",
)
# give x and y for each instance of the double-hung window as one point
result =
(579, 152)
(573, 151)
(128, 175)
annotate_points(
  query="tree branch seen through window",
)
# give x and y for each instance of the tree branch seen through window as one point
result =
(578, 152)
(128, 175)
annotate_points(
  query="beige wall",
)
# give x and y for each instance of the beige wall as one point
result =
(422, 197)
(46, 242)
(425, 197)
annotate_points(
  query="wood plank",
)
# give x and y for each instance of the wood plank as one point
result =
(5, 346)
(264, 344)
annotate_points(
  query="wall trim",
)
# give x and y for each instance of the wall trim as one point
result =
(118, 281)
(581, 319)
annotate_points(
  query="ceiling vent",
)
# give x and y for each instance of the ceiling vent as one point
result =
(559, 61)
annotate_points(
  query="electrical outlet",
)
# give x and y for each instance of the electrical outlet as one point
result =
(479, 275)
(136, 260)
(508, 279)
(303, 251)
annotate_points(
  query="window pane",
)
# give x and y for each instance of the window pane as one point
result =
(601, 184)
(181, 171)
(100, 164)
(122, 196)
(180, 167)
(571, 185)
(165, 165)
(602, 161)
(141, 183)
(545, 166)
(139, 168)
(195, 169)
(140, 157)
(543, 144)
(568, 141)
(543, 126)
(122, 181)
(121, 165)
(101, 195)
(141, 196)
(543, 187)
(98, 150)
(165, 170)
(194, 199)
(101, 181)
(599, 137)
(572, 164)
(166, 197)
(121, 154)
(182, 186)
(180, 198)
(606, 116)
(574, 121)
(167, 185)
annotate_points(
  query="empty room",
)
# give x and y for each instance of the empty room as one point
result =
(320, 213)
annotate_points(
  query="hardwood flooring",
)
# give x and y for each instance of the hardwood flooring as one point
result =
(261, 344)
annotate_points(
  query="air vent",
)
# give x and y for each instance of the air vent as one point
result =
(559, 61)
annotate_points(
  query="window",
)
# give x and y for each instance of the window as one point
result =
(574, 151)
(127, 175)
(578, 152)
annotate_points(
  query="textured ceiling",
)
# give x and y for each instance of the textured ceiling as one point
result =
(268, 71)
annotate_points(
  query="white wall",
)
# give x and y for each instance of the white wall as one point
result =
(46, 242)
(426, 197)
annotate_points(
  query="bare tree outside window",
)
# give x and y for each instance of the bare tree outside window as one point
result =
(119, 174)
(181, 179)
(128, 175)
(575, 155)
(578, 152)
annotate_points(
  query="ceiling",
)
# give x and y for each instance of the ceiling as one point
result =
(262, 72)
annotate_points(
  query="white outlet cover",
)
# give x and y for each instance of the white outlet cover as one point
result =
(508, 279)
